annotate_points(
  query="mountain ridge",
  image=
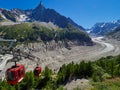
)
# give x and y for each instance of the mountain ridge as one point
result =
(103, 28)
(41, 14)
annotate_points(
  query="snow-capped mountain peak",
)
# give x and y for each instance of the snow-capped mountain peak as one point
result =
(104, 27)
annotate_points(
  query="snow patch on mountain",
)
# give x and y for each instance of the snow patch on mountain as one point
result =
(2, 15)
(23, 18)
(102, 25)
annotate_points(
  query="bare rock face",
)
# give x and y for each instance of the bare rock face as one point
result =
(48, 46)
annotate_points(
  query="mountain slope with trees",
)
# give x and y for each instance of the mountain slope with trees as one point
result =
(99, 71)
(36, 32)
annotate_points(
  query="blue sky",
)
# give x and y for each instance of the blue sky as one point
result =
(83, 12)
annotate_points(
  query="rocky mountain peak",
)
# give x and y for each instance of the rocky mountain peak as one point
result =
(40, 7)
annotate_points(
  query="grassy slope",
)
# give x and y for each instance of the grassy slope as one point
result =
(109, 84)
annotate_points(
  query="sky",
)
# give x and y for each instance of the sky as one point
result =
(84, 12)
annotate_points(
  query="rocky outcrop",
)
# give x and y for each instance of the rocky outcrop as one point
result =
(115, 34)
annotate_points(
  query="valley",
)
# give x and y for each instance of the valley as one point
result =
(56, 58)
(47, 50)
